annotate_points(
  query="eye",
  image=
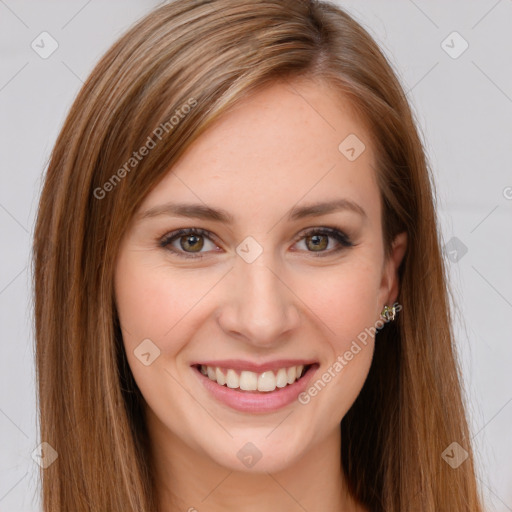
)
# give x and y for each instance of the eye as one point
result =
(189, 242)
(317, 240)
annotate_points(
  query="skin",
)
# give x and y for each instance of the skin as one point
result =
(277, 149)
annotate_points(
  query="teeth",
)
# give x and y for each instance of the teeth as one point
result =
(292, 374)
(282, 378)
(267, 381)
(232, 380)
(219, 377)
(251, 381)
(248, 381)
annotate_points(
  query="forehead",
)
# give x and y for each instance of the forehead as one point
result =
(291, 142)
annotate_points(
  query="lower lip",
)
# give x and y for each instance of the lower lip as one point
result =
(254, 401)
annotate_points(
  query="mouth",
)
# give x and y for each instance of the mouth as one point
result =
(257, 389)
(247, 381)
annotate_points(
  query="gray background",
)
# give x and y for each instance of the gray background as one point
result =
(463, 106)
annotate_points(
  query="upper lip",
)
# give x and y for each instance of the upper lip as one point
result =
(239, 364)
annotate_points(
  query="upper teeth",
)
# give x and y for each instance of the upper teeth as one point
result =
(250, 381)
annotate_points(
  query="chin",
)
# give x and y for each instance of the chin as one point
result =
(264, 452)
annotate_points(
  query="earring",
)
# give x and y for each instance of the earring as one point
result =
(389, 313)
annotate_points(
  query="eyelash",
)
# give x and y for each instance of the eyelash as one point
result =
(342, 239)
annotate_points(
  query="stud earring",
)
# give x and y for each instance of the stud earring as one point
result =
(389, 313)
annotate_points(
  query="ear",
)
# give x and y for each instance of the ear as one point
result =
(390, 285)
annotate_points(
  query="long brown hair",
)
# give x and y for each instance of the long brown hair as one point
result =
(210, 55)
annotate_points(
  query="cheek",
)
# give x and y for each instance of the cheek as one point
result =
(152, 301)
(345, 300)
(345, 303)
(152, 305)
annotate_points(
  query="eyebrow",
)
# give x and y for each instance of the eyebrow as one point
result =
(204, 212)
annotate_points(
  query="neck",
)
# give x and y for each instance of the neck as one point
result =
(189, 480)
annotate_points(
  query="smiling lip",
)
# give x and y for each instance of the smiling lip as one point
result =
(239, 364)
(256, 401)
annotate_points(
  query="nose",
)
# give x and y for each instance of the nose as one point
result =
(259, 306)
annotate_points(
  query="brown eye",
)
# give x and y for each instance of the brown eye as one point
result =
(191, 242)
(188, 243)
(317, 242)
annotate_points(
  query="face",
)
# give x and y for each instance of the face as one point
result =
(258, 317)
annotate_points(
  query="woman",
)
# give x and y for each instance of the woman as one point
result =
(238, 234)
